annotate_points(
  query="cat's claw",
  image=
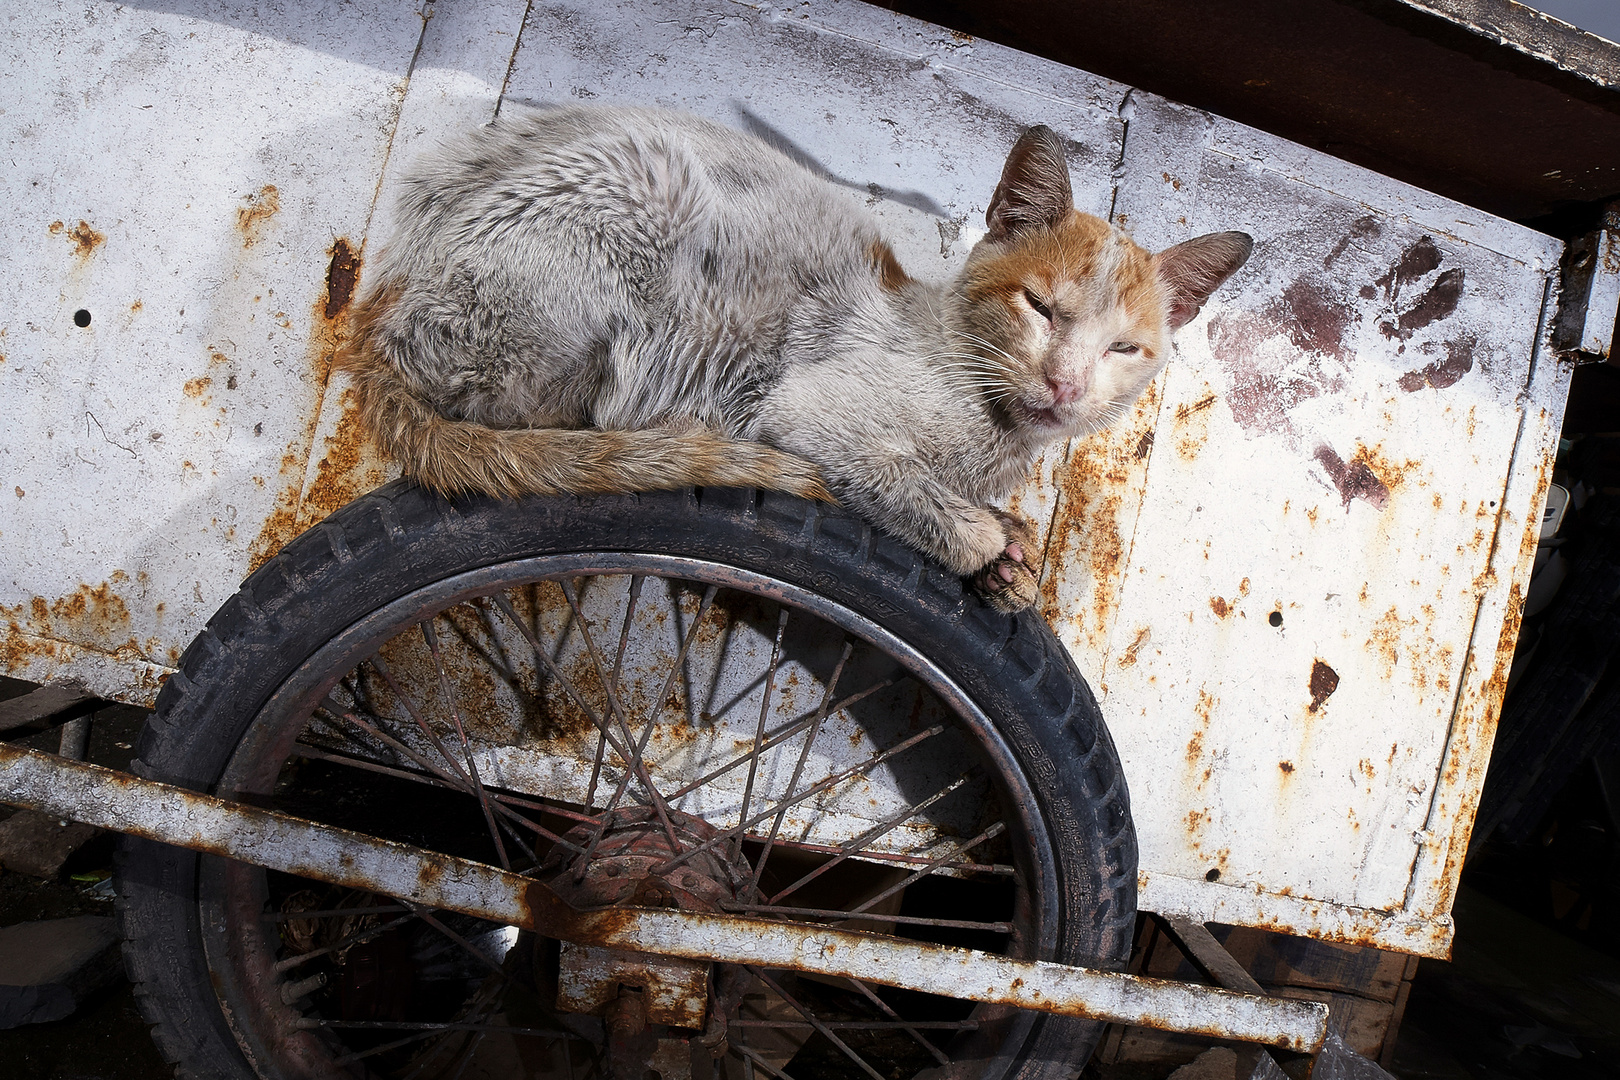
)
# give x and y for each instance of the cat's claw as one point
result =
(1007, 583)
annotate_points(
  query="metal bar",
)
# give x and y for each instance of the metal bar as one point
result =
(899, 920)
(161, 812)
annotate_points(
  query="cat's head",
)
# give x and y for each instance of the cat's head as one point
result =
(1067, 319)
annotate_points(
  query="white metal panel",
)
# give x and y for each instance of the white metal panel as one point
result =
(1294, 451)
(182, 179)
(1281, 593)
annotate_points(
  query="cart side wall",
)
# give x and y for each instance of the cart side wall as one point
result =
(1352, 441)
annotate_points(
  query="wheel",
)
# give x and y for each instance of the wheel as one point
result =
(720, 699)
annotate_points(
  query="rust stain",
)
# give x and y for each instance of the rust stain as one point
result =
(346, 467)
(1219, 606)
(197, 387)
(1086, 543)
(342, 273)
(135, 308)
(85, 239)
(94, 616)
(1385, 640)
(282, 524)
(349, 465)
(1143, 636)
(257, 209)
(1186, 410)
(1324, 680)
(1286, 766)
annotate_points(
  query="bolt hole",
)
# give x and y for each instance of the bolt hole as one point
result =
(81, 318)
(1276, 618)
(1213, 875)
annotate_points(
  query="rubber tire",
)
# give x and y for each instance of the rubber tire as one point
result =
(399, 538)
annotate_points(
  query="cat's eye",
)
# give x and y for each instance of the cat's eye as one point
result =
(1035, 302)
(1123, 347)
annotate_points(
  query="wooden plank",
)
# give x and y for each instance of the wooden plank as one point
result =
(54, 703)
(1202, 949)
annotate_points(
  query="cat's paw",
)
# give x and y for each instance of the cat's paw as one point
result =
(1007, 583)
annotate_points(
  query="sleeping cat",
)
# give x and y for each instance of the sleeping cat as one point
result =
(614, 300)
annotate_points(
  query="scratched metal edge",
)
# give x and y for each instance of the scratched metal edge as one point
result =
(878, 28)
(1534, 33)
(1236, 905)
(1438, 868)
(129, 679)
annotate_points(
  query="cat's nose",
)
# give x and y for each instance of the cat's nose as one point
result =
(1064, 392)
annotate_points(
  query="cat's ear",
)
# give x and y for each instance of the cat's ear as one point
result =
(1034, 190)
(1195, 268)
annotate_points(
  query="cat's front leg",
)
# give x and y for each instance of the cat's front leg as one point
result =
(1008, 583)
(990, 549)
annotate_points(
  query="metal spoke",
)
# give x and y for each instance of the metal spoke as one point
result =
(647, 729)
(815, 789)
(825, 1032)
(861, 1025)
(567, 685)
(798, 768)
(432, 638)
(909, 1029)
(634, 761)
(356, 938)
(759, 732)
(356, 1055)
(618, 669)
(467, 783)
(428, 917)
(306, 750)
(750, 1058)
(331, 913)
(406, 1025)
(853, 846)
(951, 853)
(450, 780)
(780, 737)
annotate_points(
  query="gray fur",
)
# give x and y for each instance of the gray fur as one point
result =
(629, 269)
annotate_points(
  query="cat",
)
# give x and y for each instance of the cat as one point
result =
(605, 299)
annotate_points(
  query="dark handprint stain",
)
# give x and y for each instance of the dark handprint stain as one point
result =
(1438, 302)
(1459, 361)
(1354, 480)
(1420, 258)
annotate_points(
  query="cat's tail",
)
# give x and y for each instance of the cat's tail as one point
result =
(455, 457)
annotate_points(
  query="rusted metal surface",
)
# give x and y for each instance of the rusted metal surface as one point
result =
(1297, 597)
(279, 841)
(1293, 574)
(167, 321)
(1591, 290)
